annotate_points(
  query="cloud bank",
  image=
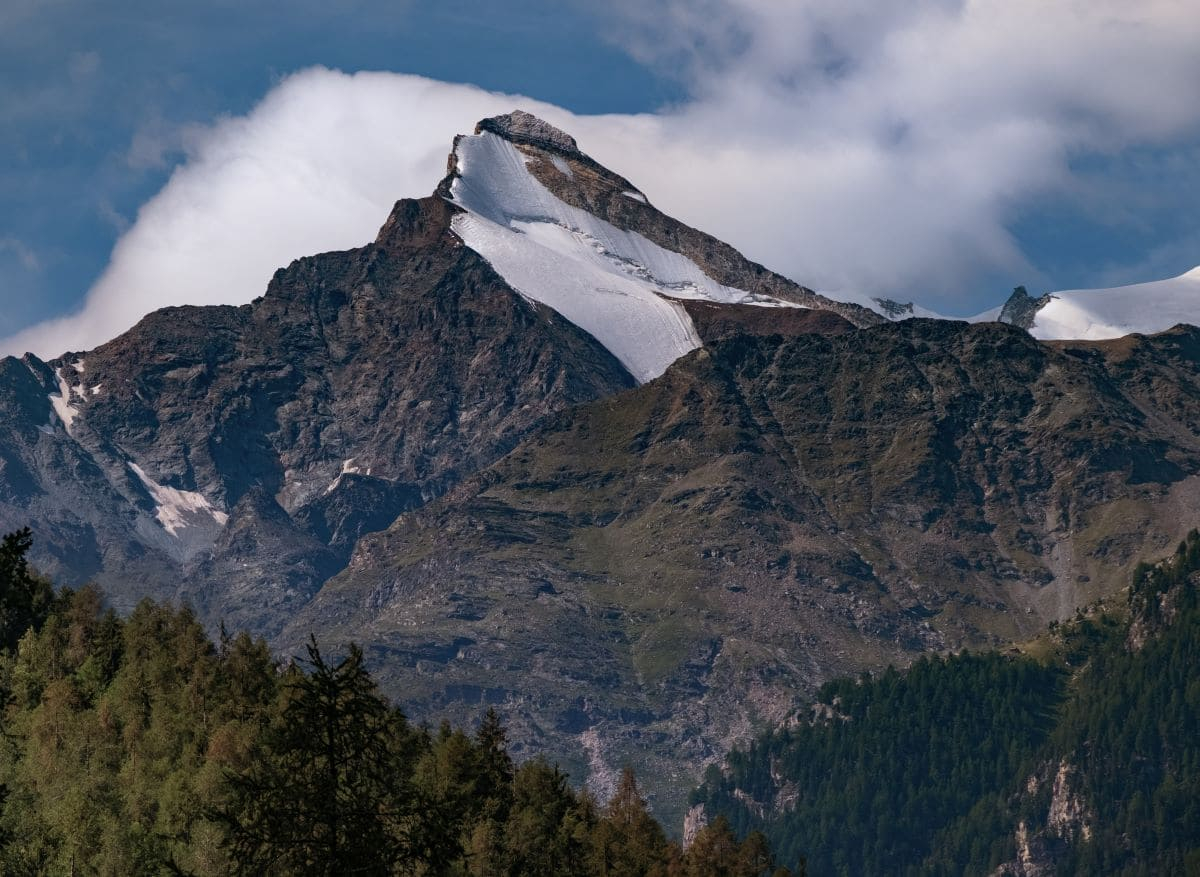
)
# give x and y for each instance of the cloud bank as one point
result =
(883, 148)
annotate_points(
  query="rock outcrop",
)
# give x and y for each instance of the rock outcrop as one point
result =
(1021, 308)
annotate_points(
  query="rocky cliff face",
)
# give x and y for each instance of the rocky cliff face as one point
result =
(679, 563)
(233, 456)
(1021, 308)
(1067, 822)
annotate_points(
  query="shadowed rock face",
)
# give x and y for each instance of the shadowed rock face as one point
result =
(234, 456)
(715, 322)
(661, 570)
(362, 384)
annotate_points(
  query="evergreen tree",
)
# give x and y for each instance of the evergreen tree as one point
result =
(327, 792)
(628, 842)
(548, 827)
(716, 852)
(496, 767)
(137, 746)
(25, 598)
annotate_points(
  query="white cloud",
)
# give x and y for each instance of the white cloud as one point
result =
(847, 143)
(887, 147)
(315, 167)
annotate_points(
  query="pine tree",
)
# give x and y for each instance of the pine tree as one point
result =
(546, 831)
(328, 790)
(25, 599)
(715, 852)
(496, 767)
(628, 842)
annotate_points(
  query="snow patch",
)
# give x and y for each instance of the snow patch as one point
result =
(1096, 314)
(894, 311)
(1093, 314)
(617, 285)
(78, 365)
(563, 168)
(643, 330)
(179, 511)
(348, 468)
(96, 389)
(636, 196)
(61, 402)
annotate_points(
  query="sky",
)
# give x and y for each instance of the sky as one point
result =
(155, 152)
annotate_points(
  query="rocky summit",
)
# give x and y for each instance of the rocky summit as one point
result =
(542, 447)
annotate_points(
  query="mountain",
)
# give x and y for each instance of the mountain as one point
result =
(890, 309)
(1073, 314)
(652, 575)
(571, 234)
(233, 457)
(1108, 313)
(543, 447)
(1076, 754)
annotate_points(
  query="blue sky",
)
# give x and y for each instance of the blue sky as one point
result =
(93, 94)
(933, 149)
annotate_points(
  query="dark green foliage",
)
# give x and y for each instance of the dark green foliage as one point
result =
(327, 790)
(1132, 730)
(118, 734)
(548, 827)
(136, 746)
(1126, 740)
(931, 771)
(715, 852)
(895, 760)
(25, 598)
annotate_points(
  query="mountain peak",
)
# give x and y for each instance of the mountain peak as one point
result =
(522, 127)
(569, 233)
(1021, 308)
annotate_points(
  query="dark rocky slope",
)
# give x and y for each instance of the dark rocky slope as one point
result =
(233, 457)
(652, 574)
(361, 384)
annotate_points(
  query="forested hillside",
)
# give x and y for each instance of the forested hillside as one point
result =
(1079, 756)
(138, 746)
